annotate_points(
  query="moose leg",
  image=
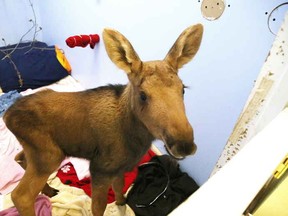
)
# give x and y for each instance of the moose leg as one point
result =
(100, 187)
(118, 185)
(47, 190)
(41, 161)
(24, 195)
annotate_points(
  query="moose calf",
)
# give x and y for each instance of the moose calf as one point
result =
(112, 126)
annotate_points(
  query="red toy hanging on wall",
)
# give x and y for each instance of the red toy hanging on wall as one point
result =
(83, 40)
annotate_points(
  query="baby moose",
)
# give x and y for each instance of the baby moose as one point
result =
(112, 126)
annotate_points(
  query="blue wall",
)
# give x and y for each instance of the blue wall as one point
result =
(220, 77)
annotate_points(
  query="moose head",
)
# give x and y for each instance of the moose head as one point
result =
(156, 91)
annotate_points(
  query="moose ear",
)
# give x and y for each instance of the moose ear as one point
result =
(185, 47)
(120, 51)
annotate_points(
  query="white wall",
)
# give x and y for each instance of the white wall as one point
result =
(220, 76)
(14, 21)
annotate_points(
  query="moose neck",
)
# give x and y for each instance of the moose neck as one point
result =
(136, 132)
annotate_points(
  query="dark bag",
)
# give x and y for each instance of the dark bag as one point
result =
(160, 187)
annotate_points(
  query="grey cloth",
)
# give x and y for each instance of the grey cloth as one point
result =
(7, 99)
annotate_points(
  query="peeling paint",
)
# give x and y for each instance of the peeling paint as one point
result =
(267, 98)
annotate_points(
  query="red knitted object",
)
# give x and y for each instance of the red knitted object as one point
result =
(83, 40)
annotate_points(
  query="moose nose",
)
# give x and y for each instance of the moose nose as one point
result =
(179, 149)
(184, 148)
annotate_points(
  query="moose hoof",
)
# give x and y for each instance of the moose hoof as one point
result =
(121, 202)
(49, 191)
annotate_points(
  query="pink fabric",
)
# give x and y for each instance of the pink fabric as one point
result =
(42, 205)
(11, 171)
(9, 145)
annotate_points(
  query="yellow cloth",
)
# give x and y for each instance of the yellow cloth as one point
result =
(62, 59)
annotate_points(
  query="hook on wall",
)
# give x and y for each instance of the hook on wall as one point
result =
(212, 9)
(270, 15)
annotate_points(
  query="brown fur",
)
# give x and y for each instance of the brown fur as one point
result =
(112, 126)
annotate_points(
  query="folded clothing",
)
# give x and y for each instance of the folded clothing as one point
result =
(31, 65)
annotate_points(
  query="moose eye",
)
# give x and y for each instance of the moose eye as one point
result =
(183, 89)
(143, 96)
